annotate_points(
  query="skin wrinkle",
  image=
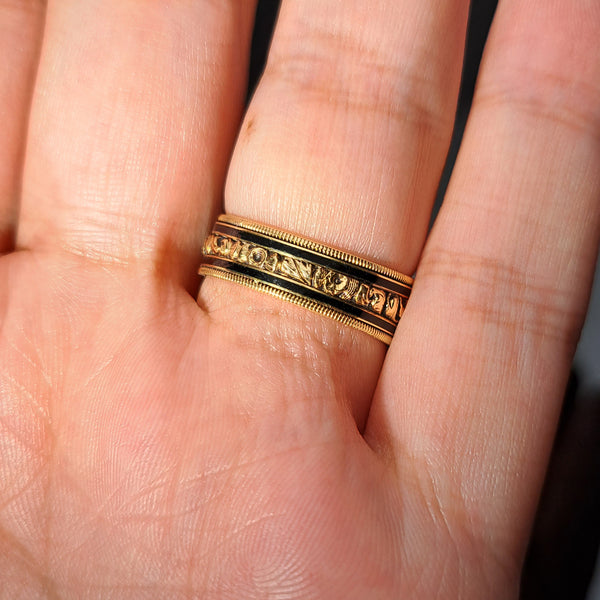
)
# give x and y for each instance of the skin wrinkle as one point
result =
(23, 493)
(508, 297)
(243, 568)
(47, 504)
(93, 525)
(34, 364)
(300, 346)
(38, 409)
(570, 116)
(442, 498)
(559, 80)
(378, 80)
(28, 562)
(228, 470)
(236, 532)
(461, 534)
(389, 90)
(32, 480)
(171, 480)
(40, 476)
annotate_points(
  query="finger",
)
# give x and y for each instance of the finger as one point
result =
(344, 142)
(503, 284)
(133, 120)
(21, 24)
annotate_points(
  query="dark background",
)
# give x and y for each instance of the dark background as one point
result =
(565, 541)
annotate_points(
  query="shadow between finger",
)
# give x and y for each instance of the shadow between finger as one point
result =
(566, 536)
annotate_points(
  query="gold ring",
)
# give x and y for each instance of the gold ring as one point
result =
(328, 281)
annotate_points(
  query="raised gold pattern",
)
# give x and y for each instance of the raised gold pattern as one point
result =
(298, 300)
(328, 281)
(309, 244)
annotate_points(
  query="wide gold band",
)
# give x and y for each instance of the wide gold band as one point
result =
(339, 285)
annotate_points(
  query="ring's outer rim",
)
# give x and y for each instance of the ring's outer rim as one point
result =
(309, 244)
(312, 305)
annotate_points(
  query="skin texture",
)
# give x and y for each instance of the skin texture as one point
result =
(160, 442)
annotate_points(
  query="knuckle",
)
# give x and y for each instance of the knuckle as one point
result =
(546, 95)
(546, 66)
(496, 291)
(347, 74)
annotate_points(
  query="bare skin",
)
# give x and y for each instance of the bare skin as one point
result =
(160, 442)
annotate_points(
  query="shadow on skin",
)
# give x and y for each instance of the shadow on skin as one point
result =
(566, 535)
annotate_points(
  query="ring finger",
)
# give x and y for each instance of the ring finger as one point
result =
(344, 142)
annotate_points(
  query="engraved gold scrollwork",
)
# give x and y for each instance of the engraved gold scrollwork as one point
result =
(368, 297)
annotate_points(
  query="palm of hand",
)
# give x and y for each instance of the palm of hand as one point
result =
(149, 475)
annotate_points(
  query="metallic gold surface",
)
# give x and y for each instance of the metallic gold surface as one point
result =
(309, 244)
(333, 283)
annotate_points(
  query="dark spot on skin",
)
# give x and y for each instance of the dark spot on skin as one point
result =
(250, 127)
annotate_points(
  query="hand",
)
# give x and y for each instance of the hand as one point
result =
(240, 447)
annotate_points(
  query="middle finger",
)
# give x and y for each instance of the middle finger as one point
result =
(134, 115)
